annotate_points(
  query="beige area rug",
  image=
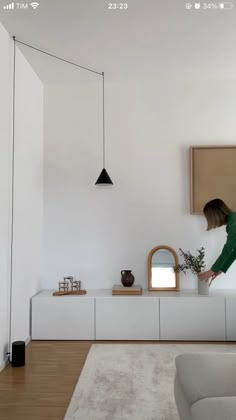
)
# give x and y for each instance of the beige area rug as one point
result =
(131, 381)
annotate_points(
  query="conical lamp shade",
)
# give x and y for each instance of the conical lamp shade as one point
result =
(103, 178)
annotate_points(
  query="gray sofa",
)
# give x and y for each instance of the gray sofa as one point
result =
(205, 386)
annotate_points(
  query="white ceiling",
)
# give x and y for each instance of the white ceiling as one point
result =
(153, 38)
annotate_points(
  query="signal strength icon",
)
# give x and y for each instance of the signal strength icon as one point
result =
(34, 5)
(9, 6)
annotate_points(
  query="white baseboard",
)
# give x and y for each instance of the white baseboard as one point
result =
(28, 340)
(3, 365)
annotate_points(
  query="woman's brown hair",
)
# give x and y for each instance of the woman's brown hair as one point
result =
(216, 212)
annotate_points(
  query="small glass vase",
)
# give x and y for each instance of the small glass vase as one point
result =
(203, 287)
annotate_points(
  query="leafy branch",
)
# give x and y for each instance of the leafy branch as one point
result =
(195, 264)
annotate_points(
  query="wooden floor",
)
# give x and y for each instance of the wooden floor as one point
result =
(43, 388)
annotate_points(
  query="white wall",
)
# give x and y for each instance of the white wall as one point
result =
(4, 188)
(28, 216)
(28, 192)
(95, 232)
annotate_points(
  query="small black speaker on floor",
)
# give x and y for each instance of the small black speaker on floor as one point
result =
(18, 354)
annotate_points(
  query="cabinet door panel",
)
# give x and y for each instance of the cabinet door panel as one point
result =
(231, 318)
(192, 318)
(63, 318)
(127, 318)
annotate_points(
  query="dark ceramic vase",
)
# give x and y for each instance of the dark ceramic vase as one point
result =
(127, 278)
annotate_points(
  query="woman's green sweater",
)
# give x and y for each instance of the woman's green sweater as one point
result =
(228, 254)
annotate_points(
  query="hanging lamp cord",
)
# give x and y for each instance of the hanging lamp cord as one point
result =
(103, 116)
(57, 57)
(81, 67)
(12, 194)
(13, 158)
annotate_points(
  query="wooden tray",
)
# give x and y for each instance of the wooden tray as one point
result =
(74, 292)
(121, 290)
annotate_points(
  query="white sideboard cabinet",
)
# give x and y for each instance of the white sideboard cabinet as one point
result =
(98, 315)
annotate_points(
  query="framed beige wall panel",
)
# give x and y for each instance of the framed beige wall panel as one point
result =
(212, 175)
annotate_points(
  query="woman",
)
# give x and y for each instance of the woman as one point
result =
(218, 214)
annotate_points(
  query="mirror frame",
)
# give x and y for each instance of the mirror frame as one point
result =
(150, 288)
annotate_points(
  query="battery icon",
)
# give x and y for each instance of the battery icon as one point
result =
(226, 6)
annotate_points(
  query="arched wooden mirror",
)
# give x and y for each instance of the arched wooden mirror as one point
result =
(161, 275)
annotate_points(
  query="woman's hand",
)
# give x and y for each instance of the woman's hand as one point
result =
(205, 275)
(215, 275)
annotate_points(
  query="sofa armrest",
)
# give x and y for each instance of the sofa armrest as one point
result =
(203, 375)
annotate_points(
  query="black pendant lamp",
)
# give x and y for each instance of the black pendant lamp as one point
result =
(103, 178)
